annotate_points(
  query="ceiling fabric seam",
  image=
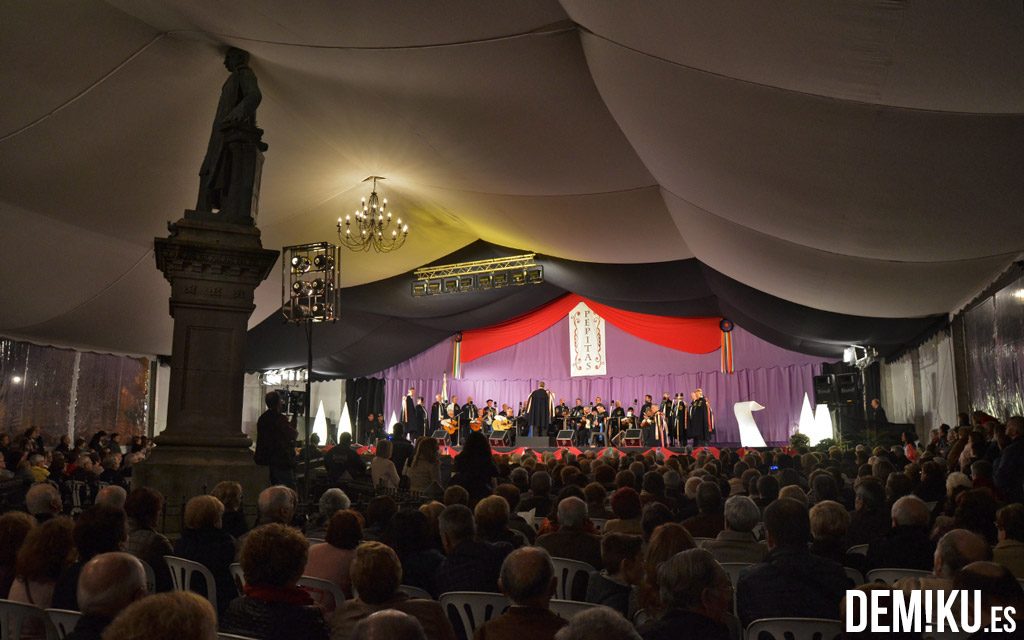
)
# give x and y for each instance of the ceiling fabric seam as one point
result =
(81, 94)
(835, 253)
(851, 101)
(90, 298)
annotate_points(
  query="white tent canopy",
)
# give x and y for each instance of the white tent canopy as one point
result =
(858, 157)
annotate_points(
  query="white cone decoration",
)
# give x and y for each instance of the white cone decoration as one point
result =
(345, 423)
(392, 421)
(320, 424)
(816, 424)
(806, 424)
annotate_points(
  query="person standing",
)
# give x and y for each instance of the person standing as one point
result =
(877, 420)
(275, 442)
(421, 418)
(437, 413)
(409, 413)
(700, 421)
(679, 419)
(540, 409)
(665, 409)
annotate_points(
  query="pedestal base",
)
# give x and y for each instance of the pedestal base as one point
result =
(180, 473)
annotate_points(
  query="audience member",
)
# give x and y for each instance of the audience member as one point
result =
(790, 582)
(166, 616)
(230, 495)
(424, 470)
(597, 623)
(379, 513)
(829, 523)
(276, 504)
(43, 502)
(113, 496)
(623, 561)
(1009, 551)
(330, 560)
(907, 545)
(389, 624)
(696, 594)
(331, 501)
(627, 509)
(204, 541)
(45, 554)
(273, 607)
(143, 508)
(376, 576)
(474, 469)
(528, 579)
(571, 540)
(710, 520)
(538, 498)
(491, 515)
(14, 528)
(469, 565)
(871, 518)
(409, 534)
(1009, 465)
(108, 584)
(736, 543)
(998, 588)
(666, 541)
(401, 449)
(99, 529)
(383, 473)
(954, 551)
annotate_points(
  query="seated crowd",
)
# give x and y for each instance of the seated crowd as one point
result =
(678, 546)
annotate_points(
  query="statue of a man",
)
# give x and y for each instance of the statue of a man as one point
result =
(239, 98)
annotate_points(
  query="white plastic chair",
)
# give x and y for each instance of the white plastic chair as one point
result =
(231, 636)
(64, 621)
(415, 592)
(313, 541)
(733, 570)
(474, 608)
(891, 575)
(150, 576)
(700, 541)
(599, 523)
(182, 572)
(855, 575)
(14, 616)
(569, 608)
(795, 628)
(566, 573)
(861, 549)
(238, 575)
(320, 590)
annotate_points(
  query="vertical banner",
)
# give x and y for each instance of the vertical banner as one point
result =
(586, 342)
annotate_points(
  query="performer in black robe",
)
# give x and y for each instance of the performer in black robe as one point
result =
(701, 422)
(679, 420)
(540, 409)
(576, 414)
(648, 403)
(561, 408)
(421, 416)
(409, 414)
(665, 408)
(438, 412)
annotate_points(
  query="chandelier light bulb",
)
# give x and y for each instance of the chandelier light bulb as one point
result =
(405, 229)
(394, 233)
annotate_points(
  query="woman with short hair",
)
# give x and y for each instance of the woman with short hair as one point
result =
(425, 469)
(274, 607)
(383, 472)
(330, 560)
(204, 541)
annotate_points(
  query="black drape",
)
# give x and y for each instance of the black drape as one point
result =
(364, 396)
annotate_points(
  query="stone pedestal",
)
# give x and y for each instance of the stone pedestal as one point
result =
(213, 267)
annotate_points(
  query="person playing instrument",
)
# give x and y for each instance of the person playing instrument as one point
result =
(665, 409)
(648, 403)
(576, 413)
(587, 422)
(489, 413)
(451, 424)
(561, 408)
(649, 426)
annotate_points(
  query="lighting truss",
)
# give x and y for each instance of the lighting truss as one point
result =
(478, 275)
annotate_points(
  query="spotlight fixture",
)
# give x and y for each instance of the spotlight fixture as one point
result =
(372, 226)
(309, 288)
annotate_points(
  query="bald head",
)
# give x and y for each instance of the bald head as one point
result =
(910, 511)
(112, 496)
(109, 583)
(389, 624)
(997, 584)
(956, 550)
(528, 577)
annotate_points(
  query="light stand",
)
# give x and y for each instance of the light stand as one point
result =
(310, 281)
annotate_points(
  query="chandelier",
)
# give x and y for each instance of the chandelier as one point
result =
(371, 226)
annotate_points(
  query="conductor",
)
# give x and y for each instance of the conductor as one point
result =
(540, 409)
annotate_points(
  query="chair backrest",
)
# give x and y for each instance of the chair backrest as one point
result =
(150, 576)
(599, 523)
(733, 570)
(700, 541)
(313, 541)
(861, 549)
(795, 629)
(15, 615)
(473, 608)
(182, 571)
(324, 592)
(231, 636)
(415, 592)
(891, 575)
(855, 575)
(566, 573)
(64, 621)
(569, 608)
(238, 575)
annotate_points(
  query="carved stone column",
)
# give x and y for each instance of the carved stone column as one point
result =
(213, 267)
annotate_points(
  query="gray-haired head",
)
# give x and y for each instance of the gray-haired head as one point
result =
(572, 513)
(685, 576)
(332, 501)
(599, 622)
(741, 514)
(109, 583)
(527, 576)
(389, 624)
(957, 549)
(910, 511)
(112, 495)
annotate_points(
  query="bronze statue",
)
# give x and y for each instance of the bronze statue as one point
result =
(229, 177)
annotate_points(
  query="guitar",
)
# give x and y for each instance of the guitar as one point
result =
(451, 425)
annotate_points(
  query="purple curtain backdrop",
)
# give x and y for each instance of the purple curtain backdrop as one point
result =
(775, 377)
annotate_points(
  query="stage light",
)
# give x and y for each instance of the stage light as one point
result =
(313, 299)
(16, 379)
(323, 262)
(1019, 294)
(300, 264)
(318, 285)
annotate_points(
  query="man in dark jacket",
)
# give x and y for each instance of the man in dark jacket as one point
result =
(470, 565)
(870, 520)
(697, 595)
(907, 545)
(1009, 466)
(791, 583)
(401, 448)
(275, 442)
(710, 519)
(107, 585)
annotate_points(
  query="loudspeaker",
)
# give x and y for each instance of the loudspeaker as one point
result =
(632, 438)
(848, 388)
(564, 438)
(499, 439)
(825, 390)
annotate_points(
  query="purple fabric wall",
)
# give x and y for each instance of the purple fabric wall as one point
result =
(775, 377)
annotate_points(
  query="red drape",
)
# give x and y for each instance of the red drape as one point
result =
(692, 335)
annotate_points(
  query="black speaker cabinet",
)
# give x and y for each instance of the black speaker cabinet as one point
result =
(825, 390)
(564, 438)
(632, 438)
